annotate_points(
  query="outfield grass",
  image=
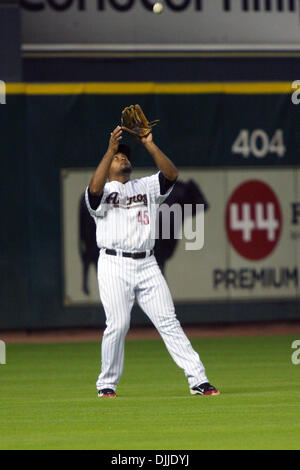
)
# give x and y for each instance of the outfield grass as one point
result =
(48, 398)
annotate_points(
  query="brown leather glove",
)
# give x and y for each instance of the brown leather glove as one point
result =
(134, 121)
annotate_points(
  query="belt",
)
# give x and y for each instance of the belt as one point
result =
(125, 254)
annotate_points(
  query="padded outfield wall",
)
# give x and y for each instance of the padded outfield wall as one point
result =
(237, 144)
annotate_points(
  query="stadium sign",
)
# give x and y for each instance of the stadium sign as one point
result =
(251, 237)
(184, 24)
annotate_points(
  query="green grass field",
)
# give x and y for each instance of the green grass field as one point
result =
(48, 398)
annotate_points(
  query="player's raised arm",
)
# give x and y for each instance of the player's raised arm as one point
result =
(164, 164)
(100, 175)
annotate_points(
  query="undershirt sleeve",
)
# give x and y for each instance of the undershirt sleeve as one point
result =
(94, 200)
(164, 183)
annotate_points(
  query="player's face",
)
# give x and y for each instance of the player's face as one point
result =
(120, 164)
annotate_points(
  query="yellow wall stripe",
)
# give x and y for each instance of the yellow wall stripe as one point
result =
(114, 88)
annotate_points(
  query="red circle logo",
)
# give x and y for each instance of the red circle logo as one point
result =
(253, 220)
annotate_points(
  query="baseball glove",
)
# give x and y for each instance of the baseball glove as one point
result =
(134, 121)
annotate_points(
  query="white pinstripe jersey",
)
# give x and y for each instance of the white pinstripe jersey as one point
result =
(126, 216)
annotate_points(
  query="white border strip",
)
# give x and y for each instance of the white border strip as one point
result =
(157, 47)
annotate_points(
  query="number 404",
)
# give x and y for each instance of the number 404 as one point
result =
(258, 143)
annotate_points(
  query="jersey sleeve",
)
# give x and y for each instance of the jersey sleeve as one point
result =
(159, 187)
(95, 204)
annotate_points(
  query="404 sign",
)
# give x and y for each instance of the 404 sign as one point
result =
(259, 144)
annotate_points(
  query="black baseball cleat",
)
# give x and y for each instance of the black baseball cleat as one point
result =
(204, 389)
(106, 393)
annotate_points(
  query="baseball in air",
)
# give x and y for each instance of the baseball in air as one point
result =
(158, 8)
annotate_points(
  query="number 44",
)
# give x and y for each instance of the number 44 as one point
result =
(258, 143)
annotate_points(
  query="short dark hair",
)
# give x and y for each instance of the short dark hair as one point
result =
(125, 149)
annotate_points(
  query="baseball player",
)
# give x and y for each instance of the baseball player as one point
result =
(124, 211)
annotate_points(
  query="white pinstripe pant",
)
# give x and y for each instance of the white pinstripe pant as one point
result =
(121, 281)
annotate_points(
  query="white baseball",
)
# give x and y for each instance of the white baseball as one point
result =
(158, 7)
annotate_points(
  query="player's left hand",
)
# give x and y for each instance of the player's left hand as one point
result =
(147, 139)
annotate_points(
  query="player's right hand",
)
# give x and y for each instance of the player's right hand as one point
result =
(115, 137)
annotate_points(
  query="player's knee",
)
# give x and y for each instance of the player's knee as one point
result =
(118, 329)
(123, 328)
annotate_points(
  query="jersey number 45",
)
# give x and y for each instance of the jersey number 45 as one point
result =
(143, 217)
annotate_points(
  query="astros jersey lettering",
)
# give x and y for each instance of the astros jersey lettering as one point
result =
(127, 213)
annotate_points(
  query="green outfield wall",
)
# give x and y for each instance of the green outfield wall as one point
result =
(221, 135)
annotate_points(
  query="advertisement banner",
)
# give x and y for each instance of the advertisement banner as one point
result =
(251, 237)
(183, 24)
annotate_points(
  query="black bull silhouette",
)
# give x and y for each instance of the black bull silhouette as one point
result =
(182, 193)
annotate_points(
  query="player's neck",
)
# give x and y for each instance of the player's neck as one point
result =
(120, 178)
